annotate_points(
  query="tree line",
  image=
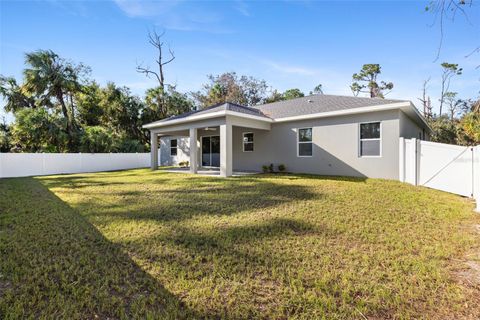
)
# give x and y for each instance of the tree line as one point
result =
(58, 108)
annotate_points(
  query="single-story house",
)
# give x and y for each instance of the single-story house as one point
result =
(318, 134)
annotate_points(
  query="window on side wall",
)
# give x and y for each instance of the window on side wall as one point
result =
(304, 142)
(173, 147)
(247, 141)
(370, 139)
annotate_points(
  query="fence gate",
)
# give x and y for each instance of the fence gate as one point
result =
(445, 167)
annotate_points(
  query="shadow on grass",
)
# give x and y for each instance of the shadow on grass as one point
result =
(180, 198)
(188, 251)
(56, 264)
(228, 249)
(96, 179)
(298, 176)
(182, 251)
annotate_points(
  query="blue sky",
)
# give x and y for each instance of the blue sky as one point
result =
(290, 44)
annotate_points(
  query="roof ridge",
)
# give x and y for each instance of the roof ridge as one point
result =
(242, 106)
(328, 95)
(355, 97)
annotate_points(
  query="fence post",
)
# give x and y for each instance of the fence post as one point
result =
(418, 154)
(476, 176)
(413, 159)
(43, 163)
(401, 160)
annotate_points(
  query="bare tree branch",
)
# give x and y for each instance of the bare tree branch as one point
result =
(147, 72)
(447, 9)
(155, 39)
(426, 102)
(172, 54)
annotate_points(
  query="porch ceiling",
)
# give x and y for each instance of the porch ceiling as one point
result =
(183, 128)
(201, 132)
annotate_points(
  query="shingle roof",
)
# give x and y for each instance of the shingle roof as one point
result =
(294, 107)
(317, 104)
(217, 107)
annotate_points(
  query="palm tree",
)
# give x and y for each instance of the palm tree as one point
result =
(51, 77)
(15, 95)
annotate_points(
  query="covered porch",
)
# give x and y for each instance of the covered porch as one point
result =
(210, 140)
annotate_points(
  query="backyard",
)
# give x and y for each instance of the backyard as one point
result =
(143, 244)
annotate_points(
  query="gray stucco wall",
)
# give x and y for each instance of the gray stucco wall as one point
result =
(335, 146)
(183, 149)
(409, 129)
(183, 153)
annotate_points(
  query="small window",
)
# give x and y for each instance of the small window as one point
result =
(305, 145)
(173, 147)
(247, 141)
(370, 139)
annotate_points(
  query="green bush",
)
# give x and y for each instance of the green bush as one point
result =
(35, 130)
(97, 139)
(5, 138)
(127, 145)
(282, 168)
(184, 164)
(270, 168)
(265, 169)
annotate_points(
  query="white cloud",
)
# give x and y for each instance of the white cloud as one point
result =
(242, 7)
(137, 8)
(284, 68)
(76, 8)
(175, 15)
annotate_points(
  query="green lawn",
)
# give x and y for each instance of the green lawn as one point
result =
(141, 244)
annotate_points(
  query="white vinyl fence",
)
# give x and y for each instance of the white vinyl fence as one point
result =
(445, 167)
(36, 164)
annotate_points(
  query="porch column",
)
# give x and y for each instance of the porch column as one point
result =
(193, 150)
(153, 150)
(226, 161)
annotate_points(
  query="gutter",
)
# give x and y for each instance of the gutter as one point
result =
(390, 106)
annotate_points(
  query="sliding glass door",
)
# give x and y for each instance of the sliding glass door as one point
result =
(211, 151)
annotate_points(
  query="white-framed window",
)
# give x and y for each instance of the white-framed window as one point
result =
(247, 141)
(370, 142)
(173, 147)
(304, 142)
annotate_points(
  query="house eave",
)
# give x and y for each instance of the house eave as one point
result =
(405, 106)
(222, 113)
(382, 107)
(413, 112)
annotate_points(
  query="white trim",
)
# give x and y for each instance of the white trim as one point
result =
(252, 142)
(370, 139)
(382, 107)
(248, 116)
(298, 143)
(206, 116)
